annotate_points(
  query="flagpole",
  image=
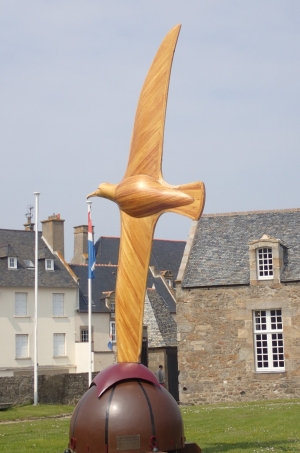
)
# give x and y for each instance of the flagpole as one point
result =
(91, 264)
(35, 360)
(90, 329)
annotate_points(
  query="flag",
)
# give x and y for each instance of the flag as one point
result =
(91, 247)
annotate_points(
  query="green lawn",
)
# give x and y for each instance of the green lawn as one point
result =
(27, 434)
(269, 426)
(244, 427)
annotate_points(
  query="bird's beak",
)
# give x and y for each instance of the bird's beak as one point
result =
(97, 193)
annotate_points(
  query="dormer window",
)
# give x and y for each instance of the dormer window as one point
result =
(264, 263)
(266, 260)
(12, 263)
(49, 265)
(29, 264)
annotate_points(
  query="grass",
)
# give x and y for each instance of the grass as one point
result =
(37, 429)
(268, 426)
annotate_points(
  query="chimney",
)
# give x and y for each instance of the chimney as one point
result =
(29, 226)
(53, 232)
(80, 244)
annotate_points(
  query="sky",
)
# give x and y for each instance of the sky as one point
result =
(71, 73)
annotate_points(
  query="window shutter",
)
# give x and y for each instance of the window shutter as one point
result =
(58, 304)
(59, 344)
(21, 346)
(20, 304)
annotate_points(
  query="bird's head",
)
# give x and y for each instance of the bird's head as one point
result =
(105, 190)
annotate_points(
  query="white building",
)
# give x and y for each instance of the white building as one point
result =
(57, 301)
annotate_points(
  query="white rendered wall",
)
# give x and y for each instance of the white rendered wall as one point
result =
(10, 325)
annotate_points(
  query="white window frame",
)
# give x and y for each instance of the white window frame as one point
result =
(264, 260)
(22, 346)
(49, 262)
(12, 262)
(112, 331)
(59, 345)
(20, 304)
(84, 334)
(268, 341)
(58, 305)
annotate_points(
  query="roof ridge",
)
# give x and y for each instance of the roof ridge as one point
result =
(154, 239)
(169, 240)
(264, 211)
(97, 265)
(18, 231)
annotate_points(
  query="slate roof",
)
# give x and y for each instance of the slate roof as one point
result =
(165, 255)
(161, 327)
(163, 290)
(21, 244)
(105, 280)
(220, 255)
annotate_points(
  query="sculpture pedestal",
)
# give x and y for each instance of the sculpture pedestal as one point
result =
(125, 409)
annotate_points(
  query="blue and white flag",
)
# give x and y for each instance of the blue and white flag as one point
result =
(91, 247)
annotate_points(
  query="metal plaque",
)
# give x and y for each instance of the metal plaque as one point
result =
(131, 442)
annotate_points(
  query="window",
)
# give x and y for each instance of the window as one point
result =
(58, 304)
(84, 334)
(265, 263)
(112, 331)
(20, 304)
(21, 346)
(59, 344)
(268, 340)
(29, 264)
(49, 265)
(113, 309)
(12, 263)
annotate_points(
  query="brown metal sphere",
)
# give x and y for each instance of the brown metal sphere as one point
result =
(133, 414)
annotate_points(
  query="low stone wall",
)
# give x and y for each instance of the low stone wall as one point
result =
(52, 389)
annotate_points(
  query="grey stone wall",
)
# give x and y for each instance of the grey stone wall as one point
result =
(215, 343)
(52, 389)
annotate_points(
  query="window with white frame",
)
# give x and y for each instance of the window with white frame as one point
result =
(265, 263)
(20, 304)
(49, 265)
(12, 262)
(112, 331)
(268, 340)
(84, 334)
(21, 346)
(58, 304)
(59, 344)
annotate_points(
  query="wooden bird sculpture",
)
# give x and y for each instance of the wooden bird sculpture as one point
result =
(142, 196)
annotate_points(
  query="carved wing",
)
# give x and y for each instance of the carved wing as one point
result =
(148, 132)
(134, 256)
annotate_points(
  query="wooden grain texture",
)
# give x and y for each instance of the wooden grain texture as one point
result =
(148, 132)
(134, 256)
(142, 196)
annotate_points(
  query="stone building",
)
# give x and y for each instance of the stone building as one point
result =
(238, 308)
